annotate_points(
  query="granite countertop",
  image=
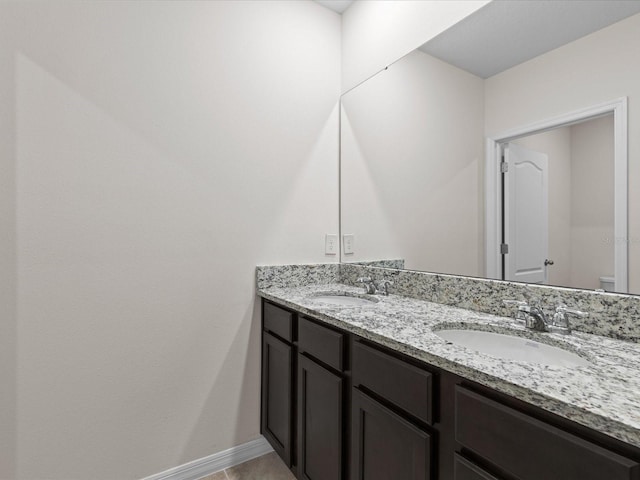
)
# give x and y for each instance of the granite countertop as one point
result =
(605, 395)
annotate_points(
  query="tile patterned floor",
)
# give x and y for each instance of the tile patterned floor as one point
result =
(266, 467)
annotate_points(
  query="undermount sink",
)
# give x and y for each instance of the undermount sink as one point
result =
(511, 347)
(344, 299)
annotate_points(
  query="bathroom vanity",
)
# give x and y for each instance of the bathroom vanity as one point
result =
(370, 392)
(375, 387)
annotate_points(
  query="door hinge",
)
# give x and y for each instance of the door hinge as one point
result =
(504, 248)
(504, 167)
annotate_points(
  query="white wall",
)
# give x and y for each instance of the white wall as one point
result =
(8, 260)
(377, 33)
(158, 151)
(592, 206)
(411, 179)
(592, 70)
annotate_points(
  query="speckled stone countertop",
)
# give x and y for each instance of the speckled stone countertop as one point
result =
(604, 395)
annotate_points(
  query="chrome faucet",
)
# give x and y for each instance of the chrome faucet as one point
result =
(560, 322)
(368, 284)
(535, 319)
(372, 287)
(382, 286)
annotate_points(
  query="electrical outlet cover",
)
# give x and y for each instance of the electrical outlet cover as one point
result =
(331, 244)
(348, 243)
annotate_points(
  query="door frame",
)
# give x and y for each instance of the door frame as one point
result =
(493, 189)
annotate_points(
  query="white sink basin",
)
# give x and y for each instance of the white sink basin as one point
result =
(510, 347)
(343, 299)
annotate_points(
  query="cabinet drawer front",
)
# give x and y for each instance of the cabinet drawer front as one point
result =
(322, 343)
(399, 382)
(530, 449)
(384, 445)
(463, 469)
(278, 321)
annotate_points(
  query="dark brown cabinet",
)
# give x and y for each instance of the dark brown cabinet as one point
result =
(321, 343)
(404, 385)
(320, 422)
(463, 469)
(392, 400)
(336, 406)
(529, 449)
(385, 445)
(321, 398)
(278, 321)
(304, 393)
(278, 380)
(277, 383)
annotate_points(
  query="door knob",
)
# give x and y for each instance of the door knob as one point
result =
(548, 262)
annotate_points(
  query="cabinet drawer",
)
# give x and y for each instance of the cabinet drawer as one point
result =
(463, 469)
(530, 449)
(278, 321)
(401, 383)
(322, 343)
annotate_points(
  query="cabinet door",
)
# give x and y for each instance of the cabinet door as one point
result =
(277, 376)
(320, 397)
(385, 445)
(465, 470)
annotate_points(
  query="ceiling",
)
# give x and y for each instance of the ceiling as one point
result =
(505, 33)
(336, 5)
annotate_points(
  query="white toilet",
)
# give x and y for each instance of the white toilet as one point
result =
(607, 284)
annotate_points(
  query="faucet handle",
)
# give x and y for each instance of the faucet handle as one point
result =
(520, 315)
(367, 283)
(560, 321)
(382, 286)
(564, 310)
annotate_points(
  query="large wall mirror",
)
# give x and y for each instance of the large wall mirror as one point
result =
(499, 149)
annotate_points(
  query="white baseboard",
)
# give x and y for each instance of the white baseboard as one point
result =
(216, 462)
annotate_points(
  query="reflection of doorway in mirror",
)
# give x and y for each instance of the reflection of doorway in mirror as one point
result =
(526, 214)
(580, 224)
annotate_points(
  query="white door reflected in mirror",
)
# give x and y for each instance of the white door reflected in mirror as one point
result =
(526, 214)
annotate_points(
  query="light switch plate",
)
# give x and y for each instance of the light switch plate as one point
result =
(348, 243)
(331, 244)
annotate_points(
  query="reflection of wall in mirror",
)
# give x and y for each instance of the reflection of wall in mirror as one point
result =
(580, 200)
(592, 207)
(594, 69)
(597, 68)
(411, 178)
